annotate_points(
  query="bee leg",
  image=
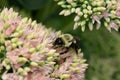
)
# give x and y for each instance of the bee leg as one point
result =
(67, 49)
(76, 51)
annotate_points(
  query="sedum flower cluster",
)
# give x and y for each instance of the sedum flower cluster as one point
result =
(28, 52)
(92, 13)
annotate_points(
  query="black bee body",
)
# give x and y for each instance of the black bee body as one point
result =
(59, 42)
(67, 41)
(75, 46)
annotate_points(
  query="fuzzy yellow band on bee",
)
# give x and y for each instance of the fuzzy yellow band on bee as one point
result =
(67, 38)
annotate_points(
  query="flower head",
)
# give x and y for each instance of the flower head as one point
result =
(92, 13)
(29, 53)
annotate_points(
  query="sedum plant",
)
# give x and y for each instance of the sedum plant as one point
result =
(28, 54)
(92, 13)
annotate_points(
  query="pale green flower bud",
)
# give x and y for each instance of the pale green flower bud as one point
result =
(30, 36)
(83, 28)
(33, 23)
(41, 63)
(77, 10)
(63, 6)
(42, 51)
(74, 64)
(19, 28)
(113, 12)
(26, 69)
(32, 50)
(85, 11)
(24, 20)
(19, 43)
(90, 12)
(83, 23)
(2, 38)
(84, 5)
(39, 47)
(21, 32)
(22, 60)
(56, 54)
(86, 2)
(61, 3)
(24, 73)
(73, 10)
(75, 26)
(68, 6)
(95, 9)
(82, 61)
(62, 12)
(14, 40)
(89, 7)
(7, 67)
(73, 4)
(114, 7)
(6, 60)
(107, 19)
(14, 45)
(76, 18)
(67, 12)
(81, 0)
(90, 25)
(50, 54)
(49, 58)
(34, 64)
(106, 24)
(85, 15)
(16, 34)
(76, 60)
(6, 25)
(64, 76)
(2, 48)
(20, 70)
(29, 21)
(69, 1)
(51, 63)
(80, 13)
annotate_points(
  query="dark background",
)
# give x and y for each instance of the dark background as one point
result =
(101, 48)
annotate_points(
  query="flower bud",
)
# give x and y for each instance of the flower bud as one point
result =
(49, 58)
(24, 20)
(14, 40)
(41, 63)
(7, 67)
(61, 3)
(22, 60)
(34, 64)
(76, 18)
(14, 45)
(20, 70)
(26, 69)
(2, 48)
(64, 76)
(67, 12)
(6, 25)
(32, 50)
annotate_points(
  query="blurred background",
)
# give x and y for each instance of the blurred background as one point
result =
(101, 48)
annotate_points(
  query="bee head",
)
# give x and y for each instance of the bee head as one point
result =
(64, 40)
(58, 42)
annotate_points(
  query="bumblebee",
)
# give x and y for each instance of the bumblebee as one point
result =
(67, 41)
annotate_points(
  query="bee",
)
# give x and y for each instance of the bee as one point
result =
(67, 41)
